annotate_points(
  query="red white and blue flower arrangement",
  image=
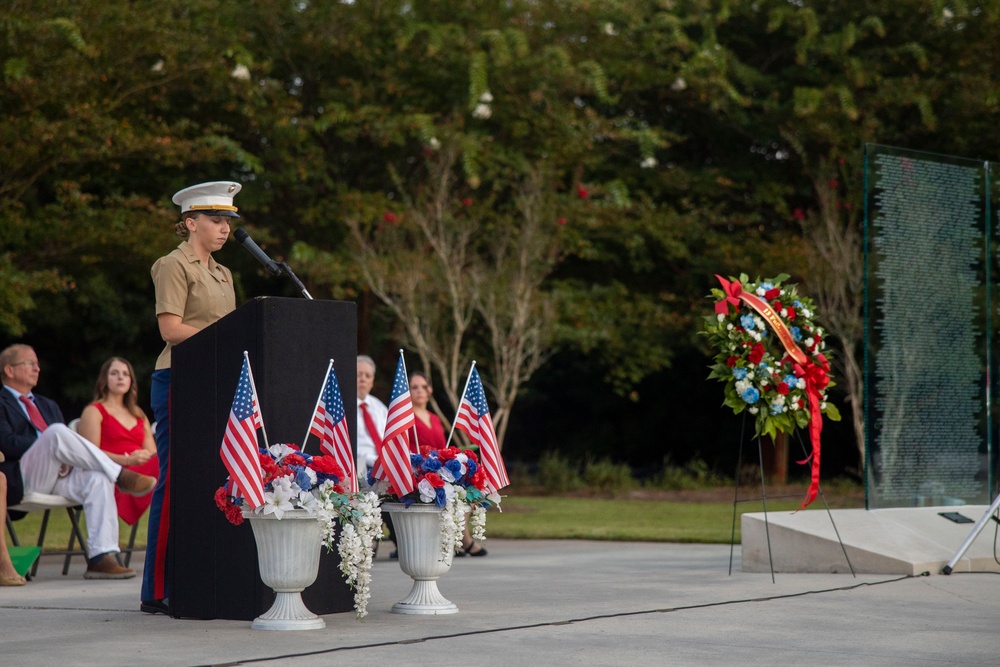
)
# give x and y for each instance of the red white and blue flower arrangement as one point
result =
(772, 357)
(296, 480)
(454, 481)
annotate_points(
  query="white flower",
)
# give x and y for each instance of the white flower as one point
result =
(482, 111)
(240, 73)
(679, 84)
(609, 29)
(947, 14)
(278, 501)
(729, 327)
(801, 383)
(753, 410)
(157, 66)
(760, 291)
(434, 143)
(648, 162)
(427, 492)
(279, 452)
(486, 97)
(809, 341)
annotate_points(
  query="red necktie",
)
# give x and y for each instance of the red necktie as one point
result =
(33, 414)
(370, 427)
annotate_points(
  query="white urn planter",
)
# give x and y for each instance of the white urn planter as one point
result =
(288, 551)
(418, 531)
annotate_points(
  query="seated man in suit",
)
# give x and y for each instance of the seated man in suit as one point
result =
(44, 456)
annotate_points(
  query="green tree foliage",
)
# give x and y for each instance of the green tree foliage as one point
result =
(665, 141)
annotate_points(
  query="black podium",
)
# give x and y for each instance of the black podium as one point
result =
(211, 564)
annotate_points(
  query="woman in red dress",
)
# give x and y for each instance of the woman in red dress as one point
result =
(115, 423)
(426, 425)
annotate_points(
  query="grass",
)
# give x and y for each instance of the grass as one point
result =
(704, 515)
(546, 517)
(57, 532)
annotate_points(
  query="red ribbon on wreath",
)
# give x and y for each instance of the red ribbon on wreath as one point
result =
(816, 374)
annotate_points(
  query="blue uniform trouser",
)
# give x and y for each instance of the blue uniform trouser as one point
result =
(154, 574)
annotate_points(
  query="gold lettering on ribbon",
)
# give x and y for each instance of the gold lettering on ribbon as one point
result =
(783, 333)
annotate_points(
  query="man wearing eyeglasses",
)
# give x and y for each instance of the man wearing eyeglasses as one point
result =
(43, 455)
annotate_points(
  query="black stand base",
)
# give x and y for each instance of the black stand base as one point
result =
(764, 498)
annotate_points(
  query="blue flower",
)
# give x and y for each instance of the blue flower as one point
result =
(739, 373)
(440, 499)
(470, 468)
(790, 380)
(777, 409)
(766, 286)
(750, 395)
(747, 322)
(455, 466)
(796, 334)
(763, 333)
(302, 478)
(431, 465)
(797, 303)
(416, 460)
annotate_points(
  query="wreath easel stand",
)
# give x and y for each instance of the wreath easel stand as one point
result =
(764, 498)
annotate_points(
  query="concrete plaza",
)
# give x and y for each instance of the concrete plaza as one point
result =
(542, 602)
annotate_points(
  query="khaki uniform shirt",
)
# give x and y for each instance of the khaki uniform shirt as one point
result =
(200, 295)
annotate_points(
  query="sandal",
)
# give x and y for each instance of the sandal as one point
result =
(469, 549)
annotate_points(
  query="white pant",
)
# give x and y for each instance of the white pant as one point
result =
(91, 483)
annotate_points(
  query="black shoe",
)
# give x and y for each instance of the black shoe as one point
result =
(475, 554)
(393, 555)
(154, 607)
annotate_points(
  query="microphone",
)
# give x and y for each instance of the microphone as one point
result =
(244, 239)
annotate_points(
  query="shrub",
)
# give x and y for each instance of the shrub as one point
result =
(604, 475)
(557, 474)
(696, 474)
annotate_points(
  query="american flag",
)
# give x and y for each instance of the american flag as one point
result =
(329, 424)
(474, 418)
(239, 444)
(394, 458)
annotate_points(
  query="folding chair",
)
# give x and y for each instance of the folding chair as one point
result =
(44, 502)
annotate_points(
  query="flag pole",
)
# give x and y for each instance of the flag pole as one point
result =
(402, 360)
(254, 386)
(319, 398)
(467, 381)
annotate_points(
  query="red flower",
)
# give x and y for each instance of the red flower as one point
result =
(467, 202)
(772, 293)
(268, 466)
(327, 465)
(799, 214)
(447, 454)
(791, 314)
(581, 191)
(434, 479)
(472, 455)
(562, 221)
(782, 388)
(390, 217)
(833, 183)
(294, 460)
(777, 305)
(478, 479)
(731, 361)
(233, 513)
(756, 353)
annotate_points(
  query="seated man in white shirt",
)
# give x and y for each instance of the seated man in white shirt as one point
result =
(372, 414)
(44, 456)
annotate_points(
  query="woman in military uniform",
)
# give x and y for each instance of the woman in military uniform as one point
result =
(192, 292)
